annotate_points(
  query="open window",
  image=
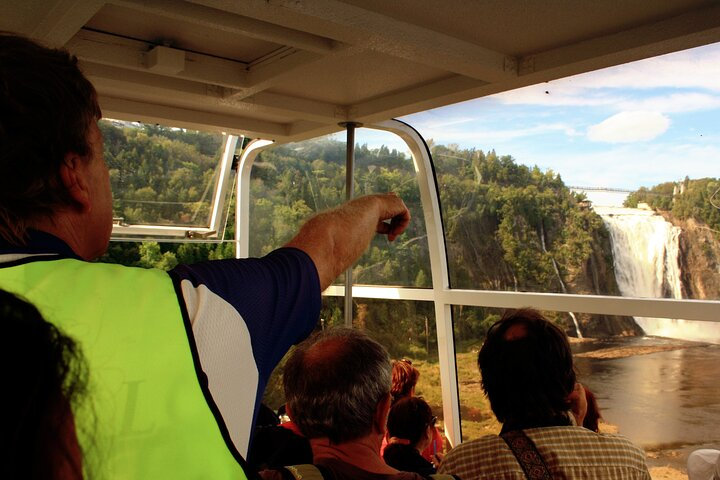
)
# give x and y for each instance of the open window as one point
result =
(168, 183)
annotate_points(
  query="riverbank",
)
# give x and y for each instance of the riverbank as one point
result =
(660, 393)
(659, 390)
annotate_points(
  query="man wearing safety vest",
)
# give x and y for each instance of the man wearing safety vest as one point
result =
(178, 360)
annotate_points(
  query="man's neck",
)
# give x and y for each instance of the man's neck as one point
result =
(363, 453)
(69, 231)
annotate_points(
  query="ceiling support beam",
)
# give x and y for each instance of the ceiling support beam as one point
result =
(63, 19)
(108, 49)
(189, 118)
(354, 25)
(303, 108)
(116, 82)
(696, 28)
(415, 99)
(216, 19)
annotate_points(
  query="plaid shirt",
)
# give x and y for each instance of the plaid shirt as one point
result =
(568, 452)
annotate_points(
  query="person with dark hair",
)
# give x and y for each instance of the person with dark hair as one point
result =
(585, 408)
(45, 378)
(592, 414)
(337, 389)
(410, 428)
(528, 375)
(181, 357)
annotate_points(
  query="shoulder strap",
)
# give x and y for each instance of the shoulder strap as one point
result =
(527, 455)
(305, 472)
(443, 476)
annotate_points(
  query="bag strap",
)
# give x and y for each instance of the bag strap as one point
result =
(527, 455)
(443, 476)
(305, 472)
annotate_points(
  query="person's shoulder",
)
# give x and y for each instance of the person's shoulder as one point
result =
(483, 443)
(476, 451)
(620, 441)
(587, 440)
(283, 258)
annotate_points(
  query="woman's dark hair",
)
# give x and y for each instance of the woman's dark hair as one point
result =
(46, 109)
(404, 378)
(45, 376)
(592, 415)
(527, 369)
(409, 419)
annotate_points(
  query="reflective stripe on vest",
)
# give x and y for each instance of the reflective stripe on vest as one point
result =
(146, 415)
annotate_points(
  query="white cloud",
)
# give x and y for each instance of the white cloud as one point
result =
(674, 103)
(629, 166)
(694, 68)
(626, 127)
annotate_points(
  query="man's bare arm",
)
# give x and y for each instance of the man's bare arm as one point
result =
(336, 238)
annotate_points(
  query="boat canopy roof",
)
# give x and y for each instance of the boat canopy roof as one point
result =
(288, 70)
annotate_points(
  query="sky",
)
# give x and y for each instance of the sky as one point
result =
(633, 125)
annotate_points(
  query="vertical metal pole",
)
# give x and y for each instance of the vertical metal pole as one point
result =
(349, 193)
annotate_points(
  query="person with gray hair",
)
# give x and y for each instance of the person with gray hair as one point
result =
(337, 389)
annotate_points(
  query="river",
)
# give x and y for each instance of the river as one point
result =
(668, 402)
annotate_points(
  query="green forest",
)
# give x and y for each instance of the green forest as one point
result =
(697, 199)
(508, 226)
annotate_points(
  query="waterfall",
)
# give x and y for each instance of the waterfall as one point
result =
(577, 325)
(646, 249)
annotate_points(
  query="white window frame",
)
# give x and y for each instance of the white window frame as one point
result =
(165, 232)
(444, 297)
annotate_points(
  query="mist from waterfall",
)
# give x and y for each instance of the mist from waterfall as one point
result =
(645, 256)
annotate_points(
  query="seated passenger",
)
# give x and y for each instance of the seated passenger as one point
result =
(337, 387)
(592, 415)
(404, 379)
(584, 408)
(410, 427)
(528, 375)
(44, 377)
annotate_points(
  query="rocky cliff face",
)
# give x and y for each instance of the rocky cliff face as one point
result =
(479, 263)
(699, 260)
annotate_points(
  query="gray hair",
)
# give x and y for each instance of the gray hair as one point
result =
(333, 383)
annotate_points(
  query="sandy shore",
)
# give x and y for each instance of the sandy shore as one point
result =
(633, 350)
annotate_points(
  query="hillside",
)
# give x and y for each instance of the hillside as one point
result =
(508, 227)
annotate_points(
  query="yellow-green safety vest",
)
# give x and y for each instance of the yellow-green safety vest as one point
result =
(146, 415)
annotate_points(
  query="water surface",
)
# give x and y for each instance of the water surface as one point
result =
(660, 400)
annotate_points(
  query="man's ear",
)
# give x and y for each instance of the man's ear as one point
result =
(381, 414)
(72, 175)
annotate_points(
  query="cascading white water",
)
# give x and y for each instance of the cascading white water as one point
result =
(645, 254)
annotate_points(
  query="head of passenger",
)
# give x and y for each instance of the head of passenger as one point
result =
(336, 384)
(527, 371)
(404, 379)
(45, 377)
(51, 152)
(411, 419)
